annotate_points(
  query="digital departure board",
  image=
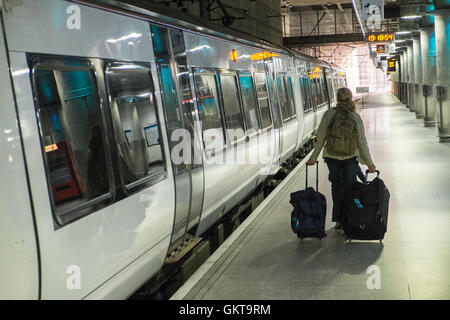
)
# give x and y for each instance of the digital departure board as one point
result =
(380, 37)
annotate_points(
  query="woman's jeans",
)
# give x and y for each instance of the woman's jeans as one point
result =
(342, 173)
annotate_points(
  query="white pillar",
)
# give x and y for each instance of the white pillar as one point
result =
(418, 94)
(410, 81)
(442, 27)
(429, 76)
(404, 76)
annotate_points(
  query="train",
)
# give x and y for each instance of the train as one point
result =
(98, 99)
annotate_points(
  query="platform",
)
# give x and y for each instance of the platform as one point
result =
(263, 259)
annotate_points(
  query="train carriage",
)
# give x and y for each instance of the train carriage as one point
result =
(98, 100)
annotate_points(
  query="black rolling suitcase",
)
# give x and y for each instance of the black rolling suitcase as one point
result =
(365, 210)
(310, 209)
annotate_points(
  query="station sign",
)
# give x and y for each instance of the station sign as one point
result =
(381, 48)
(392, 48)
(263, 55)
(380, 37)
(391, 64)
(362, 89)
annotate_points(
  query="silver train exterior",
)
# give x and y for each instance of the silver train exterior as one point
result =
(91, 96)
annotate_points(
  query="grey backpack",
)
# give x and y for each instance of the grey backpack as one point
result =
(342, 135)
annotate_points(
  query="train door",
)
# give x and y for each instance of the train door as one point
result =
(276, 114)
(328, 90)
(179, 111)
(19, 271)
(299, 97)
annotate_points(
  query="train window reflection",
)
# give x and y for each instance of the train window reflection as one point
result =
(315, 93)
(330, 83)
(290, 97)
(73, 137)
(135, 122)
(282, 95)
(263, 99)
(321, 91)
(231, 106)
(306, 93)
(206, 89)
(248, 98)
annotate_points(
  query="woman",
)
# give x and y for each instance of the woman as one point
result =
(343, 167)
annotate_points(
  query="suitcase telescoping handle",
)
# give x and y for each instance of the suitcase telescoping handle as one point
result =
(317, 175)
(367, 173)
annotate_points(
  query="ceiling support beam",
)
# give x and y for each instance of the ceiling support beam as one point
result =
(293, 42)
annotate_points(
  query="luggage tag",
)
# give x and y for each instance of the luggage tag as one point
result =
(297, 223)
(358, 204)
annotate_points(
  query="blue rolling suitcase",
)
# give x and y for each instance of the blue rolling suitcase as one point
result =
(310, 209)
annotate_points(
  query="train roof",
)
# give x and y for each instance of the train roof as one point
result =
(173, 18)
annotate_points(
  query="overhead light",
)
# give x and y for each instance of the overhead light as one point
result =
(234, 55)
(403, 32)
(411, 17)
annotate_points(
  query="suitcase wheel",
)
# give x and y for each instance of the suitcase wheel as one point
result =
(347, 237)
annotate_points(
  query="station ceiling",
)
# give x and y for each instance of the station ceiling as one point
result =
(303, 3)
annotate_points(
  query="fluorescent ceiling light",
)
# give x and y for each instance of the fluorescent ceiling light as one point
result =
(411, 17)
(403, 32)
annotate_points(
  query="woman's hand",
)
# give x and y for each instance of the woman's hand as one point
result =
(311, 162)
(371, 168)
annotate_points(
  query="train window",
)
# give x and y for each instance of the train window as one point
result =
(317, 91)
(306, 93)
(331, 90)
(282, 95)
(231, 106)
(136, 127)
(324, 91)
(313, 93)
(290, 97)
(309, 97)
(275, 104)
(302, 92)
(321, 91)
(263, 99)
(73, 138)
(208, 107)
(249, 100)
(171, 106)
